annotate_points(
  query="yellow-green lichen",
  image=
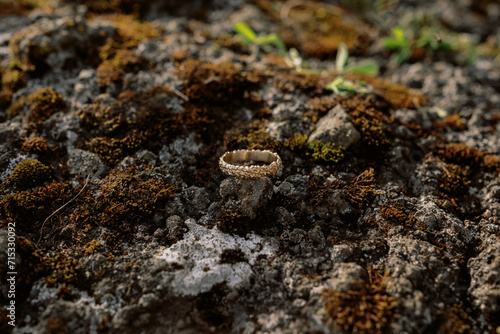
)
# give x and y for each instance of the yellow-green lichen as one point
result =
(325, 152)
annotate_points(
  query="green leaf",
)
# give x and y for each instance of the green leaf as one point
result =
(403, 55)
(399, 34)
(391, 43)
(245, 31)
(366, 67)
(342, 55)
(335, 83)
(279, 43)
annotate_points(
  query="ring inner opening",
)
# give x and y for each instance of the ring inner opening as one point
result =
(247, 158)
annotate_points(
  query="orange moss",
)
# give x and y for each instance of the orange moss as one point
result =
(491, 162)
(216, 83)
(455, 321)
(397, 95)
(36, 145)
(453, 181)
(130, 32)
(368, 309)
(360, 191)
(107, 73)
(310, 84)
(31, 206)
(396, 213)
(369, 120)
(56, 326)
(125, 200)
(319, 30)
(115, 134)
(458, 153)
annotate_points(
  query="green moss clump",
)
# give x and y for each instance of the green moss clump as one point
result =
(29, 173)
(453, 181)
(396, 213)
(360, 191)
(91, 247)
(14, 77)
(325, 152)
(297, 143)
(216, 83)
(17, 107)
(367, 310)
(111, 150)
(44, 102)
(64, 269)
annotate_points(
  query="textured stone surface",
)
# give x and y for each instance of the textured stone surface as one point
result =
(336, 127)
(205, 252)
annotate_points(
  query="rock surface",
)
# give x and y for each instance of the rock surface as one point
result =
(336, 127)
(395, 232)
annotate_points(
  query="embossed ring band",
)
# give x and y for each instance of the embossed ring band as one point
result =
(250, 164)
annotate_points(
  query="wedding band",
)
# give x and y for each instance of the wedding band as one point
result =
(244, 163)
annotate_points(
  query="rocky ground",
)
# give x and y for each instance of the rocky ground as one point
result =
(383, 219)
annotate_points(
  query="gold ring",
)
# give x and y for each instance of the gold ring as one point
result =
(250, 164)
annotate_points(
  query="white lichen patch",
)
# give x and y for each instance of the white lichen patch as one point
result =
(199, 254)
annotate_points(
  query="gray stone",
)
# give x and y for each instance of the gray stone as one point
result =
(253, 194)
(86, 89)
(199, 255)
(336, 127)
(485, 279)
(85, 163)
(347, 276)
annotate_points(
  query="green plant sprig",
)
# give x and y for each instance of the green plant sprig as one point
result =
(293, 58)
